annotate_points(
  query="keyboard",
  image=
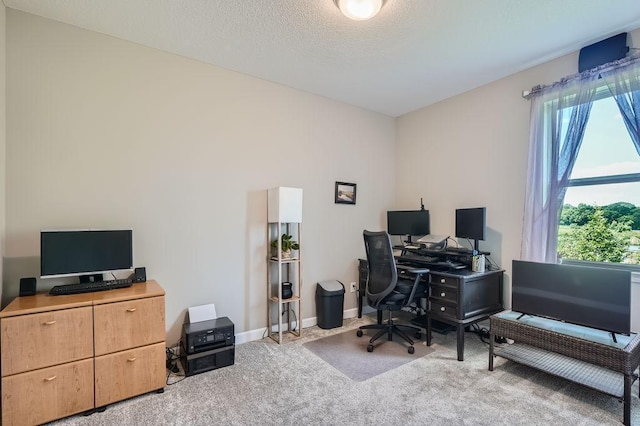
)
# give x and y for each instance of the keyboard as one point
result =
(77, 288)
(428, 261)
(415, 258)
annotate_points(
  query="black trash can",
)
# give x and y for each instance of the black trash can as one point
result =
(329, 303)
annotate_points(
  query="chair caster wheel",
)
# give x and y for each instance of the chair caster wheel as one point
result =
(418, 335)
(369, 348)
(359, 333)
(411, 350)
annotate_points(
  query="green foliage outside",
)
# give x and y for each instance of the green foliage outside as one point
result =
(600, 234)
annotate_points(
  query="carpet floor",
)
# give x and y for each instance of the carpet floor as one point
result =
(288, 384)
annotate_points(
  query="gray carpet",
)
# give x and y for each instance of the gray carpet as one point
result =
(287, 384)
(348, 353)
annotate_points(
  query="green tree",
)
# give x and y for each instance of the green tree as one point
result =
(566, 215)
(596, 241)
(617, 211)
(576, 215)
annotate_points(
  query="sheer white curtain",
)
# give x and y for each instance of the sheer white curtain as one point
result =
(559, 114)
(624, 84)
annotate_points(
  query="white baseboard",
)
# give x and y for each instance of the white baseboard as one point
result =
(260, 333)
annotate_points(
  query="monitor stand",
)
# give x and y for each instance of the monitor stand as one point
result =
(92, 278)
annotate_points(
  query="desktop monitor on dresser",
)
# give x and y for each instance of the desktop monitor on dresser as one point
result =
(408, 222)
(471, 224)
(85, 253)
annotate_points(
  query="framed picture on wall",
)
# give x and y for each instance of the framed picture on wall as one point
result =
(345, 193)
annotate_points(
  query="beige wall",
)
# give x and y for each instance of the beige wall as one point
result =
(471, 151)
(3, 139)
(104, 133)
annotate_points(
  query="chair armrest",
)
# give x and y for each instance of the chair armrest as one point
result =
(409, 269)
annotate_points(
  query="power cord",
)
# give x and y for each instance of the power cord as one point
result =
(172, 360)
(484, 335)
(295, 318)
(172, 363)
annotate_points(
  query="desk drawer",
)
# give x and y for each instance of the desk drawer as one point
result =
(438, 308)
(444, 281)
(446, 294)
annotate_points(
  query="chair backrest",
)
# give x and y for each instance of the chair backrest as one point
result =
(383, 275)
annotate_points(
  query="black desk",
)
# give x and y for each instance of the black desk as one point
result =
(456, 297)
(462, 298)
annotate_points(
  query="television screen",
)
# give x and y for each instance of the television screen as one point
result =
(471, 223)
(408, 222)
(590, 296)
(85, 252)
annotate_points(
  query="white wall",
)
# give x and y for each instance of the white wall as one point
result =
(104, 133)
(471, 151)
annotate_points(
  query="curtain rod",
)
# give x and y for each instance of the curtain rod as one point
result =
(527, 94)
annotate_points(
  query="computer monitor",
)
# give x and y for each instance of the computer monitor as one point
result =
(471, 224)
(408, 222)
(85, 253)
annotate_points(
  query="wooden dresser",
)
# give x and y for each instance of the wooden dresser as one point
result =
(63, 355)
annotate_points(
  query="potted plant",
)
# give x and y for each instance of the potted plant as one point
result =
(287, 244)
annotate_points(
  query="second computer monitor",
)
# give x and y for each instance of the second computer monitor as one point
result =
(408, 222)
(471, 224)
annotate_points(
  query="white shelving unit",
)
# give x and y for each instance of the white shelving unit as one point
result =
(284, 216)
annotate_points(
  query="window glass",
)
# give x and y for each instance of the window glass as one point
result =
(607, 148)
(599, 221)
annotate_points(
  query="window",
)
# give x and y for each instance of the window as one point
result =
(600, 216)
(583, 176)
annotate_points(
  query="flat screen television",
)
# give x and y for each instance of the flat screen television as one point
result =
(408, 222)
(85, 253)
(590, 296)
(471, 224)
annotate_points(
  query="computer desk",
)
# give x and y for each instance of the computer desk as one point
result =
(456, 297)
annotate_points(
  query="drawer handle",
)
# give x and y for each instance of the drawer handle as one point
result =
(442, 308)
(442, 280)
(131, 359)
(131, 310)
(443, 294)
(49, 322)
(50, 379)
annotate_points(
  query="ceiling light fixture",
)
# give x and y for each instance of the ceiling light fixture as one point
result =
(359, 10)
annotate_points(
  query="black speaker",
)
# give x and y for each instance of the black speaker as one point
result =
(139, 275)
(607, 50)
(287, 290)
(27, 286)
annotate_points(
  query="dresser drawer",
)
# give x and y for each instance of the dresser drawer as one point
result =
(130, 324)
(447, 294)
(41, 340)
(129, 373)
(47, 394)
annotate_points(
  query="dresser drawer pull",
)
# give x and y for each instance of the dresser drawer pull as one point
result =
(442, 280)
(442, 308)
(443, 294)
(131, 310)
(50, 379)
(131, 359)
(49, 322)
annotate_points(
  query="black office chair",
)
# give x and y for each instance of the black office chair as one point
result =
(385, 291)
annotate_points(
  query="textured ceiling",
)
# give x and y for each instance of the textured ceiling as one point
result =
(413, 54)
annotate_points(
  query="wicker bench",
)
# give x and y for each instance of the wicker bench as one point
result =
(583, 355)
